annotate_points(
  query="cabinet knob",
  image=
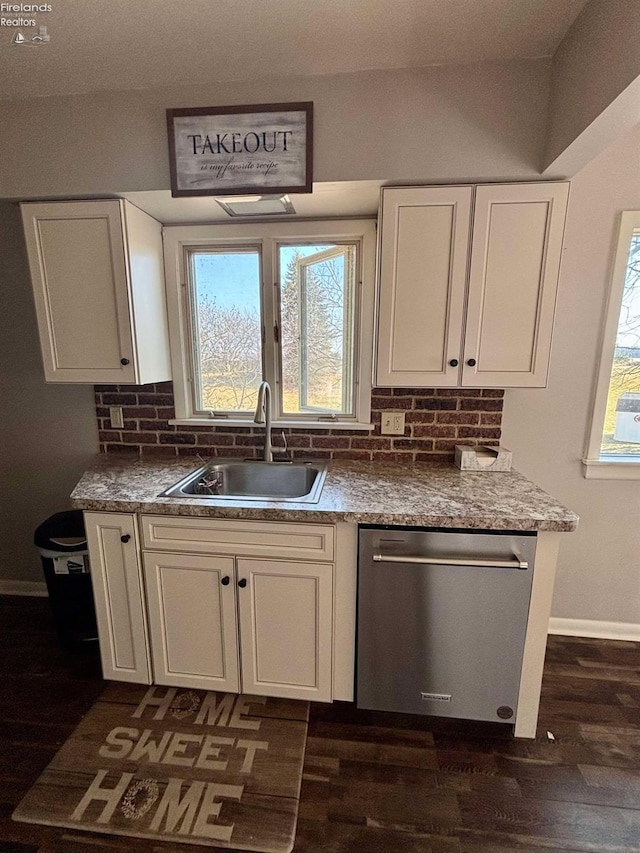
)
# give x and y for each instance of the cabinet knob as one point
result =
(225, 580)
(125, 538)
(454, 362)
(242, 582)
(471, 362)
(124, 361)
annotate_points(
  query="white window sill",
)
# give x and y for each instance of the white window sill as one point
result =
(626, 468)
(248, 422)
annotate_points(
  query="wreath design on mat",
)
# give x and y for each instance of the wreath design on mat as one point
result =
(185, 704)
(139, 798)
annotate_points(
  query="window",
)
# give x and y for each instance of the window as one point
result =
(291, 303)
(614, 444)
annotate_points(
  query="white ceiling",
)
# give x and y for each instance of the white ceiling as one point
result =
(98, 45)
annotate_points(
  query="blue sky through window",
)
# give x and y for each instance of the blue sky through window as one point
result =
(233, 278)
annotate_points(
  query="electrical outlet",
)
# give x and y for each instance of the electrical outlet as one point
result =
(115, 413)
(392, 423)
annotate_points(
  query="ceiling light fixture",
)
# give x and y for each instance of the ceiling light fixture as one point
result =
(257, 205)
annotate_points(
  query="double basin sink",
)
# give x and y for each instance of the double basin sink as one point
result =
(234, 479)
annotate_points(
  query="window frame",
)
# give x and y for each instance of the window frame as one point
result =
(179, 239)
(349, 307)
(593, 466)
(191, 312)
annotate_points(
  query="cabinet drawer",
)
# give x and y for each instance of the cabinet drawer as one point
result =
(238, 537)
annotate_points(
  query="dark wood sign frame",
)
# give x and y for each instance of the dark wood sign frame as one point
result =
(220, 151)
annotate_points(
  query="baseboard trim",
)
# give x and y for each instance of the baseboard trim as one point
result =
(23, 588)
(594, 628)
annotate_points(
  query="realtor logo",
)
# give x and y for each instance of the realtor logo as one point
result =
(42, 37)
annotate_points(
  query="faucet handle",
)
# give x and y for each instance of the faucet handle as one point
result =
(285, 448)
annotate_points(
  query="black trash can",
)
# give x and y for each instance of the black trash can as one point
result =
(62, 544)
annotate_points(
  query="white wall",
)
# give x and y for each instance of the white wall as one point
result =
(48, 433)
(599, 569)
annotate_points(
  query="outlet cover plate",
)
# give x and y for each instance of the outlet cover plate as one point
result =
(115, 414)
(392, 423)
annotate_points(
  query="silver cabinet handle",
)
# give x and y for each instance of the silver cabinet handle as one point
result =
(515, 563)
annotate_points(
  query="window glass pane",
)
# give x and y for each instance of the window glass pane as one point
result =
(621, 435)
(225, 296)
(317, 308)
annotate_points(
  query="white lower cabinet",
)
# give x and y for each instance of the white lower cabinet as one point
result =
(243, 620)
(112, 539)
(192, 620)
(285, 613)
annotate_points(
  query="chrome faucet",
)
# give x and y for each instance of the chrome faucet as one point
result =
(263, 416)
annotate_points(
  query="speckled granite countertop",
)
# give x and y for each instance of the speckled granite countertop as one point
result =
(364, 492)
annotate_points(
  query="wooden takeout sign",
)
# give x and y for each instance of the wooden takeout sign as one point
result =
(234, 150)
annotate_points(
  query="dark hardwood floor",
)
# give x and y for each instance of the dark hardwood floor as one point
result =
(373, 782)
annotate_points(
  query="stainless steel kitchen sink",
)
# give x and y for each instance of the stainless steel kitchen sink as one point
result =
(235, 479)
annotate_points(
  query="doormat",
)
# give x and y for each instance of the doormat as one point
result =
(174, 764)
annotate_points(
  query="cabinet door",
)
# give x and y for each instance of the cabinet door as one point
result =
(77, 262)
(192, 620)
(515, 260)
(285, 612)
(424, 239)
(117, 589)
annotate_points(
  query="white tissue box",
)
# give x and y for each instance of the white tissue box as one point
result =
(482, 458)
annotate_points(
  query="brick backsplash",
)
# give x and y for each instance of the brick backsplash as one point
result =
(435, 421)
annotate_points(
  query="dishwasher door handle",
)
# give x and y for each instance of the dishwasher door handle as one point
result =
(514, 563)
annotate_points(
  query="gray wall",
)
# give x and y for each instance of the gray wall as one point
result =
(599, 568)
(483, 121)
(596, 61)
(48, 433)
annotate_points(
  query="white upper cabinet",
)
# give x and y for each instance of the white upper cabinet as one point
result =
(98, 281)
(513, 279)
(468, 281)
(423, 274)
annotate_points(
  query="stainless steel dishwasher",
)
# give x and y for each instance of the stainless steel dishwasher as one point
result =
(441, 621)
